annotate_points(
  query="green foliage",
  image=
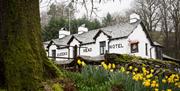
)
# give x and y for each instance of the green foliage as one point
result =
(51, 30)
(93, 78)
(57, 87)
(126, 81)
(108, 20)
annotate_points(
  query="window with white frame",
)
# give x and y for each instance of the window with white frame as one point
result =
(134, 47)
(102, 47)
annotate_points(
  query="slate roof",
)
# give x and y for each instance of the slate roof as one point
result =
(62, 41)
(115, 31)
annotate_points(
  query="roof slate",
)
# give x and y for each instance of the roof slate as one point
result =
(115, 31)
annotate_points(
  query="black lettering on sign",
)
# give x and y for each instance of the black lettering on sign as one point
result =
(62, 54)
(87, 50)
(115, 46)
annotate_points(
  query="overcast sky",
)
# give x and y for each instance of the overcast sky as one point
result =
(103, 7)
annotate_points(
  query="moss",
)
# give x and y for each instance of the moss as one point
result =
(57, 87)
(138, 61)
(51, 70)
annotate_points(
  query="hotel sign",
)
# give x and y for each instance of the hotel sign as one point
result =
(62, 54)
(87, 50)
(114, 46)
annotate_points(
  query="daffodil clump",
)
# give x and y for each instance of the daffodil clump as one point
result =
(172, 80)
(150, 80)
(109, 66)
(81, 63)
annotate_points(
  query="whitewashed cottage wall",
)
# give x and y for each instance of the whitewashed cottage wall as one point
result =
(52, 47)
(119, 46)
(73, 43)
(62, 53)
(140, 35)
(88, 49)
(95, 47)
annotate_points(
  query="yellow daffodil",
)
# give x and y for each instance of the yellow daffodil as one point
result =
(83, 63)
(147, 72)
(135, 69)
(156, 89)
(79, 62)
(111, 70)
(133, 73)
(105, 66)
(122, 69)
(164, 80)
(169, 90)
(170, 80)
(143, 69)
(153, 85)
(102, 63)
(130, 67)
(154, 81)
(176, 84)
(143, 65)
(157, 85)
(151, 75)
(166, 77)
(127, 72)
(148, 76)
(113, 66)
(152, 70)
(109, 66)
(146, 83)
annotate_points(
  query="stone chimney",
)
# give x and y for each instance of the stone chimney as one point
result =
(63, 32)
(82, 29)
(134, 18)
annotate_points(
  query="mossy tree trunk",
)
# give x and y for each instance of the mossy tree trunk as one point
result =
(21, 50)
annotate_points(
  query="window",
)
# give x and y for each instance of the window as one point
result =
(102, 47)
(53, 54)
(159, 53)
(134, 47)
(146, 49)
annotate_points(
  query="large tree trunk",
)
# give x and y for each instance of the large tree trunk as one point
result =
(21, 49)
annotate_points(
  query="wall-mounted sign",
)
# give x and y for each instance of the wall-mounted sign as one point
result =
(87, 50)
(62, 54)
(115, 46)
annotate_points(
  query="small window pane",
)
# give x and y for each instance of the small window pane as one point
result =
(134, 48)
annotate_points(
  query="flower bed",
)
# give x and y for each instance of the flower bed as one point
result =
(130, 74)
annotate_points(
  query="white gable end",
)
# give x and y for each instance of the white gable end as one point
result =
(139, 35)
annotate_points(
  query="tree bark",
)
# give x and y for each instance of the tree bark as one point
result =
(21, 49)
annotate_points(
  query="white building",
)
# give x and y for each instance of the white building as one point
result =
(127, 38)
